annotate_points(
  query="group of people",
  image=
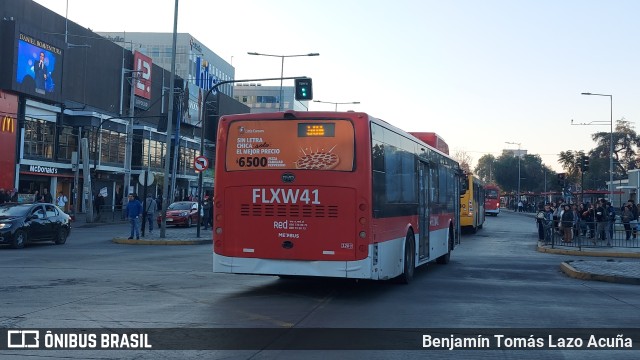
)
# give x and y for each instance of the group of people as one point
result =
(522, 206)
(8, 196)
(592, 220)
(11, 196)
(135, 211)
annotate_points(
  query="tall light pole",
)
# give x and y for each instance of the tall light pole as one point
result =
(129, 144)
(336, 103)
(165, 181)
(610, 142)
(282, 68)
(519, 156)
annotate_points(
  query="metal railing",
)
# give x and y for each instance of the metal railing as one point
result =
(109, 213)
(586, 235)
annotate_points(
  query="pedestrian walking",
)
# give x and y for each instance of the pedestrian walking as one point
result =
(611, 219)
(46, 196)
(634, 219)
(61, 201)
(133, 212)
(151, 207)
(207, 207)
(602, 232)
(567, 224)
(626, 217)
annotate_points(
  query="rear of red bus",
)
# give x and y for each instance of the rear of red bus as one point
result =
(492, 200)
(289, 199)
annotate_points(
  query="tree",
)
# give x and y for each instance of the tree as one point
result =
(485, 169)
(464, 159)
(534, 175)
(570, 161)
(625, 143)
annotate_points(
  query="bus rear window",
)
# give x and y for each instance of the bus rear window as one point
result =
(290, 145)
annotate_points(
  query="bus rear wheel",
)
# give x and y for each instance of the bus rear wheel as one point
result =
(444, 259)
(409, 263)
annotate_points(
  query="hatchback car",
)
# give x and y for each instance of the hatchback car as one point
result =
(183, 213)
(21, 224)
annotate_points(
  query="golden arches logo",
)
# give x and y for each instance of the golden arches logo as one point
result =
(8, 124)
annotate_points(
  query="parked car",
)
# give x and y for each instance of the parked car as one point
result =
(183, 213)
(21, 224)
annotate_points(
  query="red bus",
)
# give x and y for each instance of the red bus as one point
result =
(330, 194)
(492, 199)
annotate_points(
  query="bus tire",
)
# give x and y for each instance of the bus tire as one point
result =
(409, 261)
(444, 259)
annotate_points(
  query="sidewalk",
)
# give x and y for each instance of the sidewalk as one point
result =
(173, 235)
(617, 264)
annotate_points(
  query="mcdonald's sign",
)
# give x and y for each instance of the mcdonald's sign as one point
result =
(8, 139)
(8, 124)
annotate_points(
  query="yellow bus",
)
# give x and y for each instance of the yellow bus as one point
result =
(472, 204)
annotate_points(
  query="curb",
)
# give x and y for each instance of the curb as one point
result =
(576, 274)
(587, 253)
(125, 241)
(98, 224)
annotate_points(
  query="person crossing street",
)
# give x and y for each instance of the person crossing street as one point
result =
(133, 212)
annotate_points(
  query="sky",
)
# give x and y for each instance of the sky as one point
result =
(478, 73)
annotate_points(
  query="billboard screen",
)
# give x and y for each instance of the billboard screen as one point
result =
(38, 68)
(191, 107)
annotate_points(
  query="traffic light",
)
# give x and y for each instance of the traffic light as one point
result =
(304, 90)
(585, 163)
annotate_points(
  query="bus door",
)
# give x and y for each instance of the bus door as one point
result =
(423, 209)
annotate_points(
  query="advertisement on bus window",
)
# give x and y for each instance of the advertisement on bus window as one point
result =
(290, 145)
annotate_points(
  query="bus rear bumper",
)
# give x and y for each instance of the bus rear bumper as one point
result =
(339, 269)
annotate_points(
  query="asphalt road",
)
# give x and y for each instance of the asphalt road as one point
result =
(496, 280)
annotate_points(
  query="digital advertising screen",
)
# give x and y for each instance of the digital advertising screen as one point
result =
(38, 68)
(191, 108)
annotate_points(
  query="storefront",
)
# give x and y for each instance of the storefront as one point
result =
(55, 178)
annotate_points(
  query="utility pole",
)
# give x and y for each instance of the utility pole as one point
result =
(176, 151)
(165, 182)
(128, 152)
(86, 191)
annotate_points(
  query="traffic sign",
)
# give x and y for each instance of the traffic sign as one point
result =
(150, 178)
(201, 163)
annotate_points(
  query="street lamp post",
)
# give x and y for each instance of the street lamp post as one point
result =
(610, 141)
(129, 143)
(519, 156)
(336, 103)
(282, 68)
(165, 183)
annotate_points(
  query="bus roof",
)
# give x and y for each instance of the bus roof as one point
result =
(433, 139)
